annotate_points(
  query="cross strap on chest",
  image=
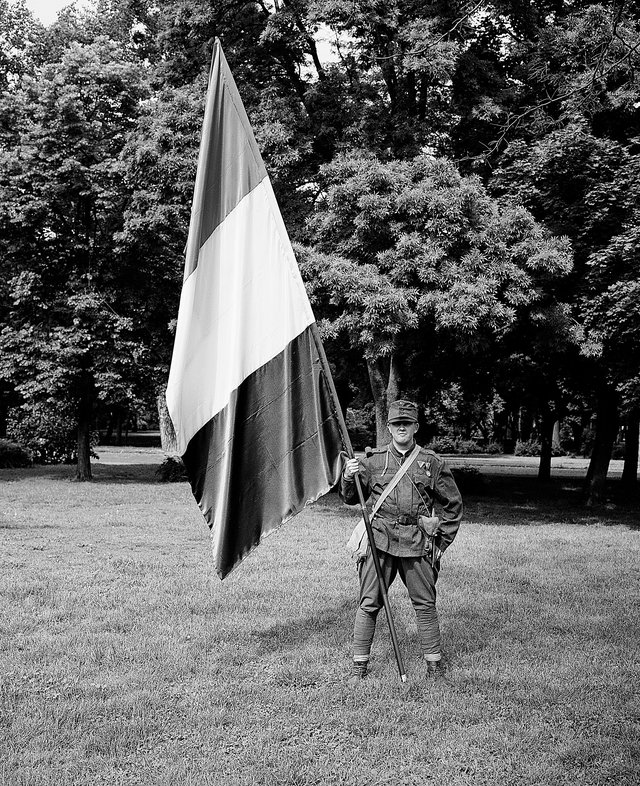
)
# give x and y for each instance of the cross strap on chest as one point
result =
(402, 471)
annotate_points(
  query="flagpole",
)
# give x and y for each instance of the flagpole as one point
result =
(365, 513)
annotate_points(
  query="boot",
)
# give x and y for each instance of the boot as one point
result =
(435, 669)
(359, 670)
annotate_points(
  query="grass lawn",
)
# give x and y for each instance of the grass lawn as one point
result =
(125, 660)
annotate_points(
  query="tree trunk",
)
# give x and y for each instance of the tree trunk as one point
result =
(547, 423)
(393, 387)
(119, 425)
(85, 412)
(167, 433)
(4, 411)
(379, 390)
(631, 447)
(525, 424)
(606, 430)
(385, 386)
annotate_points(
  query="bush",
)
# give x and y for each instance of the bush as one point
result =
(617, 452)
(47, 430)
(468, 446)
(443, 445)
(361, 424)
(493, 448)
(529, 448)
(13, 455)
(172, 470)
(587, 443)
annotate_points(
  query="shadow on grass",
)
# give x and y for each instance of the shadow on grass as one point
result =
(126, 473)
(304, 628)
(465, 633)
(102, 473)
(513, 500)
(526, 501)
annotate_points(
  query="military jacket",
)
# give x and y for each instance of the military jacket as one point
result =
(428, 488)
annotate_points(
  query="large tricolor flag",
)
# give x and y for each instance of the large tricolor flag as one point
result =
(249, 392)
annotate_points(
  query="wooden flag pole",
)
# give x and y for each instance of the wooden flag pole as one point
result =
(365, 514)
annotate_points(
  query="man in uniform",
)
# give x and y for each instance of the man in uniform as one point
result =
(414, 525)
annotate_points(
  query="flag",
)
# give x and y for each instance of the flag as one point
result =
(249, 392)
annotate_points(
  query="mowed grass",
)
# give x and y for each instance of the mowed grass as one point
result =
(125, 660)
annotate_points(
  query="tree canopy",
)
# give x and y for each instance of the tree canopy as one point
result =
(461, 180)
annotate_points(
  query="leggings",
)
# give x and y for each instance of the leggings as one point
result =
(420, 580)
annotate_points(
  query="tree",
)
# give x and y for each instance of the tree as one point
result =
(575, 167)
(20, 42)
(160, 163)
(411, 250)
(62, 199)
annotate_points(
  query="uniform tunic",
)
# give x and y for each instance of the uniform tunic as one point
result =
(427, 486)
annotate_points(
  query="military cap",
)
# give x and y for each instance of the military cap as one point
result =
(402, 410)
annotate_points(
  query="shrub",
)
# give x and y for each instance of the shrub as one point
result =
(48, 432)
(443, 445)
(172, 470)
(468, 446)
(493, 448)
(361, 424)
(13, 455)
(588, 440)
(529, 448)
(617, 452)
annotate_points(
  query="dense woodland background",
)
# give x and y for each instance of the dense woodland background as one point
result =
(461, 181)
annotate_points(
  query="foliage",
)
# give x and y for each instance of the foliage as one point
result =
(444, 445)
(159, 163)
(459, 291)
(532, 447)
(402, 242)
(14, 455)
(412, 262)
(527, 448)
(172, 470)
(361, 426)
(46, 429)
(63, 341)
(492, 448)
(454, 445)
(20, 43)
(572, 160)
(466, 446)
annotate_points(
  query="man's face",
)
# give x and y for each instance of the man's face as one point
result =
(402, 433)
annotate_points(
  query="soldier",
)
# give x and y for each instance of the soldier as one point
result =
(417, 520)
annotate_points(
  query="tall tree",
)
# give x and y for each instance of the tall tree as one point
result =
(61, 203)
(408, 247)
(575, 167)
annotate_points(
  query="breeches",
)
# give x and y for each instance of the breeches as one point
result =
(420, 580)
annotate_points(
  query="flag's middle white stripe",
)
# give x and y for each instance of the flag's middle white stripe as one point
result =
(241, 306)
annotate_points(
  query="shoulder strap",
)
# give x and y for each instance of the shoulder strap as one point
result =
(402, 470)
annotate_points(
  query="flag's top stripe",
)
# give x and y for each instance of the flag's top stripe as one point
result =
(229, 162)
(242, 305)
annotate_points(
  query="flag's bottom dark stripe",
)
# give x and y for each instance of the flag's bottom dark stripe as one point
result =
(283, 452)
